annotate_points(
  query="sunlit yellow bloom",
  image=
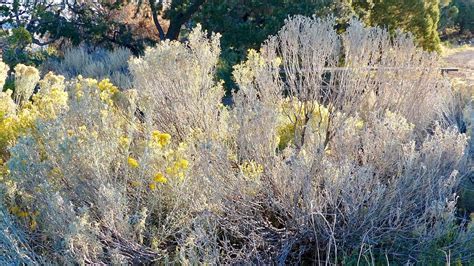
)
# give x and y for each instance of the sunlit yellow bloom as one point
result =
(182, 163)
(359, 124)
(123, 142)
(171, 170)
(152, 186)
(90, 82)
(132, 162)
(181, 176)
(106, 85)
(107, 91)
(278, 61)
(160, 139)
(160, 178)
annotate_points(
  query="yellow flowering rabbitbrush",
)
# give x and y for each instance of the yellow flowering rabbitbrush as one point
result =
(160, 139)
(160, 178)
(298, 162)
(132, 162)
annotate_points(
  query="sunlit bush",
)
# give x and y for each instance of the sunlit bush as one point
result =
(182, 95)
(19, 115)
(94, 63)
(371, 132)
(338, 149)
(3, 74)
(96, 171)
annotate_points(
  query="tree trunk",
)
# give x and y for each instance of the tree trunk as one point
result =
(178, 21)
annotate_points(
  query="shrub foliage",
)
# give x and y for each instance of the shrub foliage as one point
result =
(338, 148)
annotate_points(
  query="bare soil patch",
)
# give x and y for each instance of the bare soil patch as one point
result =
(464, 60)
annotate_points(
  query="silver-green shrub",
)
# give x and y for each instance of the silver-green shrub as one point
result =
(371, 160)
(177, 88)
(338, 149)
(97, 63)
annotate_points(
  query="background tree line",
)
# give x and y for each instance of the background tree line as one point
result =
(244, 24)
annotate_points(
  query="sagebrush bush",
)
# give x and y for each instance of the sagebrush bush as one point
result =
(182, 96)
(94, 63)
(338, 149)
(3, 74)
(371, 131)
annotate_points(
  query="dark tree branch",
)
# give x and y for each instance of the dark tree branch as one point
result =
(177, 22)
(139, 5)
(154, 13)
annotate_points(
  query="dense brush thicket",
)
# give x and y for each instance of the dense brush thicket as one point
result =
(94, 63)
(338, 149)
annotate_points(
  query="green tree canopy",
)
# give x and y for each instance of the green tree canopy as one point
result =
(245, 24)
(86, 21)
(465, 18)
(417, 16)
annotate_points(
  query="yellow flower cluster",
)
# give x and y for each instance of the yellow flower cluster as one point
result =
(132, 162)
(177, 168)
(292, 119)
(51, 99)
(83, 83)
(123, 142)
(251, 169)
(158, 178)
(14, 120)
(245, 72)
(51, 81)
(159, 139)
(168, 164)
(107, 90)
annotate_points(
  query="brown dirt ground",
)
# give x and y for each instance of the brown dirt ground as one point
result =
(464, 60)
